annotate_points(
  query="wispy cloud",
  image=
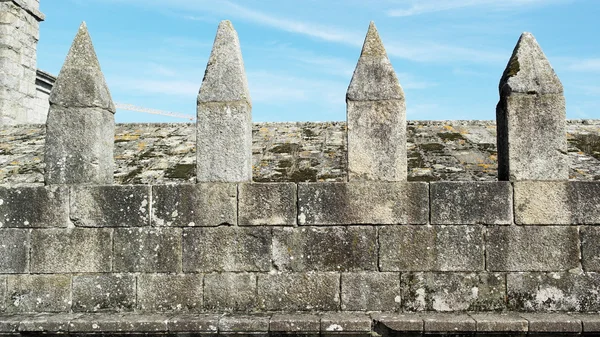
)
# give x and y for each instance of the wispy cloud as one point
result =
(430, 6)
(585, 65)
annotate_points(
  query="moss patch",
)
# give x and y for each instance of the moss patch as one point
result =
(450, 136)
(432, 147)
(285, 148)
(181, 171)
(589, 144)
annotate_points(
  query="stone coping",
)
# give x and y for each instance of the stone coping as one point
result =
(373, 324)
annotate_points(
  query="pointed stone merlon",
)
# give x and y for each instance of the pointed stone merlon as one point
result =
(531, 118)
(376, 113)
(224, 123)
(81, 124)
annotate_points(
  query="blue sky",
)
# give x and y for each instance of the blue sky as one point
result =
(300, 54)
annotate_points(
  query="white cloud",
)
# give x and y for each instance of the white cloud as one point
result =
(585, 65)
(431, 6)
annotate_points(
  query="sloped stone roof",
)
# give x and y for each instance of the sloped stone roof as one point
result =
(303, 151)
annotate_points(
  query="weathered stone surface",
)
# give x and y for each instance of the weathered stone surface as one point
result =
(339, 248)
(224, 123)
(555, 202)
(168, 292)
(246, 324)
(453, 292)
(110, 206)
(14, 251)
(463, 203)
(531, 117)
(556, 323)
(376, 112)
(208, 323)
(73, 250)
(156, 250)
(548, 248)
(590, 322)
(431, 248)
(38, 293)
(267, 204)
(230, 292)
(389, 323)
(34, 206)
(124, 323)
(232, 249)
(363, 203)
(3, 300)
(371, 291)
(113, 292)
(194, 205)
(299, 292)
(345, 322)
(298, 323)
(590, 248)
(448, 322)
(80, 127)
(44, 323)
(543, 292)
(497, 322)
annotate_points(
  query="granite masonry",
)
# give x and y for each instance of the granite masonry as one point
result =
(359, 253)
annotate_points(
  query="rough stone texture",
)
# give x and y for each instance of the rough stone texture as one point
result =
(590, 248)
(72, 250)
(363, 203)
(532, 248)
(453, 292)
(163, 292)
(156, 250)
(531, 118)
(298, 323)
(448, 323)
(376, 114)
(80, 126)
(267, 204)
(34, 206)
(296, 151)
(44, 323)
(224, 114)
(389, 323)
(555, 202)
(462, 203)
(299, 292)
(123, 323)
(3, 300)
(556, 323)
(14, 251)
(543, 292)
(227, 249)
(110, 206)
(488, 322)
(371, 292)
(254, 323)
(94, 293)
(431, 248)
(230, 292)
(194, 205)
(200, 323)
(345, 322)
(590, 322)
(38, 293)
(340, 248)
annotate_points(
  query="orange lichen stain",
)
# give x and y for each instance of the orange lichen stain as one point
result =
(493, 157)
(141, 146)
(126, 137)
(448, 127)
(484, 166)
(580, 152)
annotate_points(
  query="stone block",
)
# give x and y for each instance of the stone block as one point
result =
(370, 203)
(590, 248)
(73, 250)
(299, 292)
(456, 323)
(45, 324)
(295, 323)
(557, 202)
(532, 248)
(390, 324)
(154, 250)
(267, 204)
(122, 324)
(38, 293)
(3, 299)
(230, 292)
(194, 205)
(552, 323)
(204, 324)
(14, 251)
(464, 203)
(431, 248)
(590, 322)
(348, 248)
(229, 249)
(168, 292)
(110, 206)
(110, 292)
(34, 207)
(500, 323)
(546, 292)
(371, 291)
(244, 324)
(453, 292)
(345, 323)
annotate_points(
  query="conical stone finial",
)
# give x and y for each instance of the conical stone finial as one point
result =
(376, 113)
(531, 117)
(80, 126)
(224, 123)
